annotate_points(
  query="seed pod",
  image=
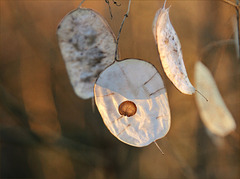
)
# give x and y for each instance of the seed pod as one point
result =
(214, 113)
(132, 100)
(169, 48)
(88, 46)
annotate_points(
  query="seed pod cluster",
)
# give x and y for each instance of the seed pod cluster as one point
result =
(130, 94)
(88, 46)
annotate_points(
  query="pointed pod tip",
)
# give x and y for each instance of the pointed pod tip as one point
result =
(202, 95)
(159, 147)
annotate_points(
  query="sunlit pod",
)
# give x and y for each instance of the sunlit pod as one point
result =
(214, 113)
(132, 100)
(170, 52)
(88, 46)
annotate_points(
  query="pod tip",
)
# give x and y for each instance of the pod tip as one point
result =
(201, 95)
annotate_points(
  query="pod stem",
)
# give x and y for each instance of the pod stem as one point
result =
(164, 4)
(81, 3)
(201, 95)
(158, 147)
(120, 30)
(109, 7)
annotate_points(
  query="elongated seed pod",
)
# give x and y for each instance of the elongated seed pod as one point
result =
(132, 100)
(88, 46)
(214, 113)
(169, 48)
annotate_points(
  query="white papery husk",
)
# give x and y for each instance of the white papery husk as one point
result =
(137, 81)
(88, 46)
(214, 113)
(170, 52)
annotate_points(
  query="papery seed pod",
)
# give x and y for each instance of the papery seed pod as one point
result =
(88, 46)
(132, 100)
(214, 113)
(169, 48)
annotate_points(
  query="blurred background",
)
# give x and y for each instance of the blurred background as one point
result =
(46, 131)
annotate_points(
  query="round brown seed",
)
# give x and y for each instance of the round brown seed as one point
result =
(127, 108)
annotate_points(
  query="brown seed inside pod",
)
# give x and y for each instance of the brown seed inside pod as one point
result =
(127, 108)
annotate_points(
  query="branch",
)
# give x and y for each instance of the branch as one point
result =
(125, 16)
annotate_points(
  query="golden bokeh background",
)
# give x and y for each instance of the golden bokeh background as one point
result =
(46, 131)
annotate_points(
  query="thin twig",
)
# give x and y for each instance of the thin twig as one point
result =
(231, 3)
(237, 11)
(109, 7)
(115, 2)
(81, 3)
(125, 16)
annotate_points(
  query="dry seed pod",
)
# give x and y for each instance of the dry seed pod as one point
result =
(132, 100)
(214, 113)
(169, 48)
(88, 46)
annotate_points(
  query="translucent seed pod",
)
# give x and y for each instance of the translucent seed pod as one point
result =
(87, 45)
(214, 113)
(170, 52)
(132, 100)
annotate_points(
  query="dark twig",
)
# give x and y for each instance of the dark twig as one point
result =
(110, 10)
(109, 7)
(125, 16)
(115, 2)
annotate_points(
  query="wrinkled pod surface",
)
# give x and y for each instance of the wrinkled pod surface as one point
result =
(132, 100)
(170, 52)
